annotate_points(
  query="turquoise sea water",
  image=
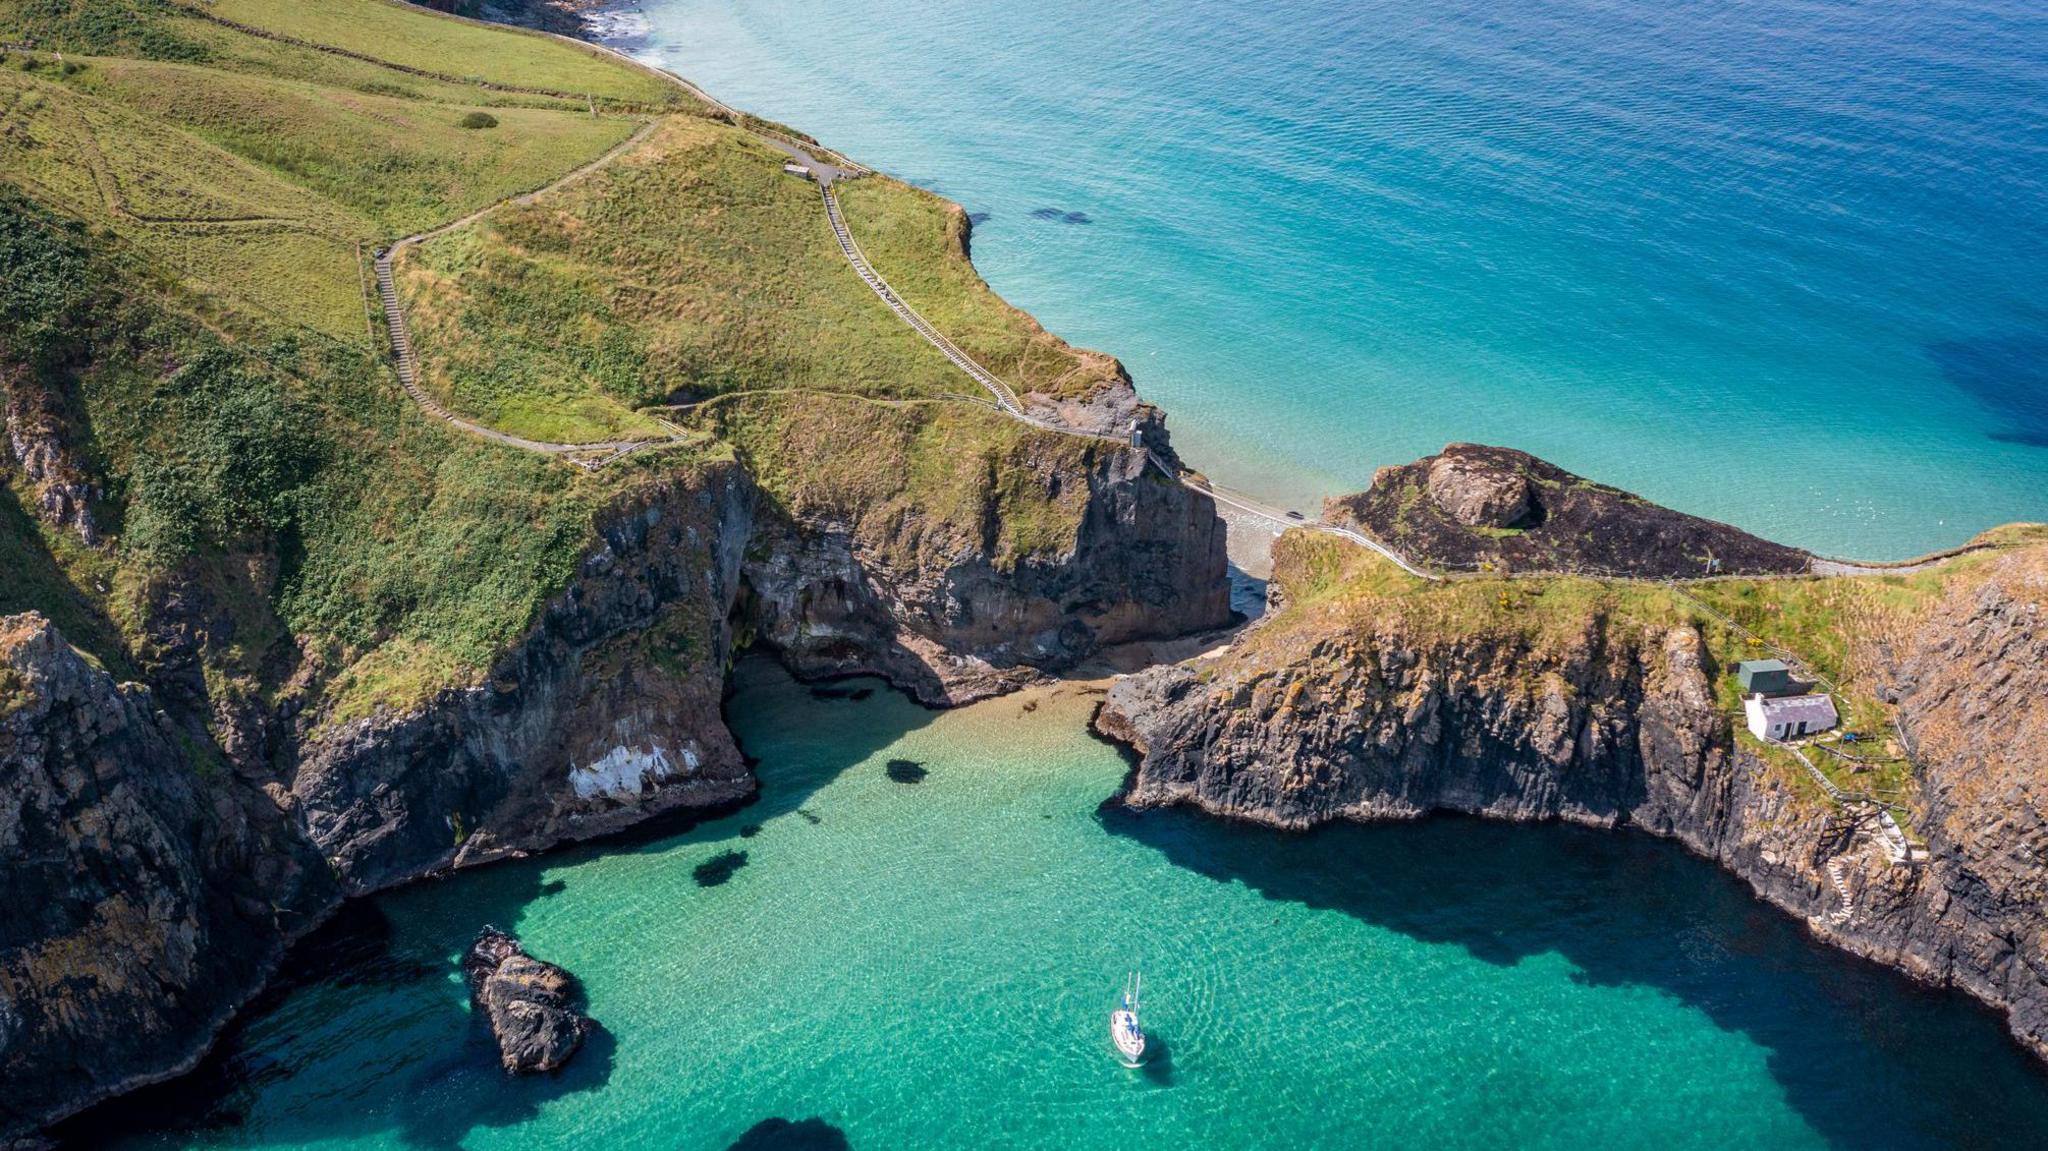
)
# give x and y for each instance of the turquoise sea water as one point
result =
(1779, 262)
(931, 964)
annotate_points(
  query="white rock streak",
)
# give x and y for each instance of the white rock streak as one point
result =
(624, 772)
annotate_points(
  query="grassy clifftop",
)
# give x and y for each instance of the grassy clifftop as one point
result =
(185, 215)
(1843, 630)
(189, 196)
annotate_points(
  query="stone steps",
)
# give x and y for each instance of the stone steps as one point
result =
(1847, 910)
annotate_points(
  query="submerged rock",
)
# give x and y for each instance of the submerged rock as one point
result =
(719, 868)
(529, 1002)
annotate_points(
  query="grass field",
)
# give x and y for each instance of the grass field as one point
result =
(691, 267)
(413, 39)
(261, 172)
(402, 164)
(918, 242)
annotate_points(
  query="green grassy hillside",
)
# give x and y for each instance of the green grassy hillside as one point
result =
(182, 209)
(693, 266)
(187, 210)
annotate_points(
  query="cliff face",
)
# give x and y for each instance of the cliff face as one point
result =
(148, 894)
(1330, 711)
(158, 902)
(606, 714)
(938, 609)
(1972, 688)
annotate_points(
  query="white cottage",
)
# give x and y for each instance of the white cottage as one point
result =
(1789, 716)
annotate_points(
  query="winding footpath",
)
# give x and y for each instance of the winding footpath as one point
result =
(406, 359)
(825, 171)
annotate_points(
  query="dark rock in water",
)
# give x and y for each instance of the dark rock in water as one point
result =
(1076, 218)
(1046, 213)
(978, 218)
(750, 831)
(1057, 216)
(784, 1135)
(719, 868)
(529, 1003)
(810, 817)
(906, 771)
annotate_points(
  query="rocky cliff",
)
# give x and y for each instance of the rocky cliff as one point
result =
(607, 712)
(164, 876)
(959, 554)
(148, 893)
(1370, 697)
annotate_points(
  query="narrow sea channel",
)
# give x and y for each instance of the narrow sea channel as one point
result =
(915, 935)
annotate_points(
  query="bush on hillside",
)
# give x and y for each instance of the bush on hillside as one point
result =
(479, 120)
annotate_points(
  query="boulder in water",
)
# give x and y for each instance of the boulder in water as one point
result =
(530, 1003)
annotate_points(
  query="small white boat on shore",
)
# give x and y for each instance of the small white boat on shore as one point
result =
(1123, 1025)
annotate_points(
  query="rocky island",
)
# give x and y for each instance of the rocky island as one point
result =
(529, 1003)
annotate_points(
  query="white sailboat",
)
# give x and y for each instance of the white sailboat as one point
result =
(1123, 1025)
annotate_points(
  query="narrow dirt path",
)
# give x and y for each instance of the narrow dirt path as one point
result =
(587, 455)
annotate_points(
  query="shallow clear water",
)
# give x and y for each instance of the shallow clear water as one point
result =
(931, 964)
(1779, 263)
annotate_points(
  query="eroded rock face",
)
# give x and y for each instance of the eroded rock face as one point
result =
(606, 715)
(1616, 724)
(530, 1003)
(147, 895)
(1973, 703)
(937, 615)
(39, 437)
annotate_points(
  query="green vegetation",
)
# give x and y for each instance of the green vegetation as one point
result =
(1838, 628)
(187, 212)
(918, 242)
(692, 266)
(146, 28)
(489, 54)
(261, 173)
(400, 163)
(285, 486)
(911, 476)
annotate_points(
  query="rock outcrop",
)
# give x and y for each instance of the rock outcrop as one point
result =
(605, 715)
(1472, 506)
(148, 893)
(938, 612)
(1360, 708)
(530, 1004)
(39, 437)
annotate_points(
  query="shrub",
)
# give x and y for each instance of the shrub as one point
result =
(479, 120)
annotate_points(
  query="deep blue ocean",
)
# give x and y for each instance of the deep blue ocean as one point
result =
(1780, 263)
